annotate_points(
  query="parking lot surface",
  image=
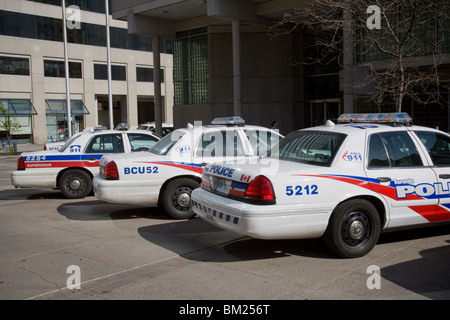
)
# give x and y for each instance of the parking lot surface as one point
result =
(53, 248)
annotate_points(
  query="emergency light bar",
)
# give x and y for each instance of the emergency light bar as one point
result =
(230, 121)
(401, 118)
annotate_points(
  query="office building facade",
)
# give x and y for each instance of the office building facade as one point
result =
(226, 62)
(32, 69)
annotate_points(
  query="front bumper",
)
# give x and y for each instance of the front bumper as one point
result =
(294, 221)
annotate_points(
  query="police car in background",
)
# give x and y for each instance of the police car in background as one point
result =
(344, 182)
(166, 127)
(167, 174)
(72, 167)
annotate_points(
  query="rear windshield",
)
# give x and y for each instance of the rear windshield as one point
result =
(311, 147)
(69, 142)
(163, 146)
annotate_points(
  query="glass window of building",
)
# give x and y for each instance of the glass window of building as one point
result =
(57, 69)
(191, 67)
(118, 73)
(144, 74)
(14, 66)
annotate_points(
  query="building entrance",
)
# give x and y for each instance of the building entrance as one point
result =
(319, 111)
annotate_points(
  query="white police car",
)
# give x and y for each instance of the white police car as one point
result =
(72, 167)
(168, 173)
(344, 182)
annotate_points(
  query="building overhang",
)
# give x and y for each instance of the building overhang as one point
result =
(166, 17)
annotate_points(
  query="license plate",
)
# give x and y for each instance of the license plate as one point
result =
(219, 184)
(222, 186)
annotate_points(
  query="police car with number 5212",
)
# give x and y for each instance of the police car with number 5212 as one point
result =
(72, 167)
(167, 174)
(345, 182)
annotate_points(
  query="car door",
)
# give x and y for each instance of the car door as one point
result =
(438, 147)
(101, 144)
(261, 141)
(398, 171)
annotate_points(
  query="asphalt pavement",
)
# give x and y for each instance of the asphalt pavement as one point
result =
(52, 248)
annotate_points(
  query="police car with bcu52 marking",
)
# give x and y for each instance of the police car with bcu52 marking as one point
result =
(167, 174)
(72, 167)
(345, 182)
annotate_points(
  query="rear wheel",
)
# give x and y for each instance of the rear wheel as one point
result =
(75, 184)
(353, 229)
(176, 199)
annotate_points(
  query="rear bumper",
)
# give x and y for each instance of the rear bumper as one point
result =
(261, 221)
(126, 191)
(31, 178)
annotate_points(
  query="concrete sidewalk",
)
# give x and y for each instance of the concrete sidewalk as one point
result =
(22, 148)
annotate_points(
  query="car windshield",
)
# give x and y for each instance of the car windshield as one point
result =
(311, 147)
(163, 146)
(69, 142)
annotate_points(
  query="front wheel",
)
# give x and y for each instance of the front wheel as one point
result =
(176, 199)
(75, 184)
(353, 229)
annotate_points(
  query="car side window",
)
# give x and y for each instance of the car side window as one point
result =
(393, 149)
(220, 144)
(106, 143)
(438, 147)
(141, 142)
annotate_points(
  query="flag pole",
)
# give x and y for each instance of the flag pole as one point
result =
(108, 53)
(66, 66)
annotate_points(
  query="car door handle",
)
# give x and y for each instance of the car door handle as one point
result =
(204, 164)
(384, 179)
(444, 176)
(91, 159)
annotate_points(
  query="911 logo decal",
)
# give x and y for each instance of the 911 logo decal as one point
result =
(352, 156)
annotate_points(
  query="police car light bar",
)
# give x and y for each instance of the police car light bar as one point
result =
(235, 120)
(122, 126)
(389, 118)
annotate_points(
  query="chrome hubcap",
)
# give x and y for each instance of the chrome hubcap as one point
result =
(184, 199)
(75, 184)
(356, 229)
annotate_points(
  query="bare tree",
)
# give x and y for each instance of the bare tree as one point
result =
(398, 42)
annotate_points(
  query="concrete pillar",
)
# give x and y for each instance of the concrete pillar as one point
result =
(237, 77)
(157, 85)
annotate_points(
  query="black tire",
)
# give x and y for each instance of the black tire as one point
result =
(75, 184)
(176, 199)
(353, 229)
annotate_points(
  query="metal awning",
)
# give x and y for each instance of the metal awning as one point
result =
(58, 107)
(19, 107)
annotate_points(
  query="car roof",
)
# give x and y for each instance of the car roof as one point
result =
(212, 127)
(359, 128)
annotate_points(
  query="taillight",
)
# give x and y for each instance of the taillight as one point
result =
(261, 190)
(45, 147)
(21, 164)
(110, 171)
